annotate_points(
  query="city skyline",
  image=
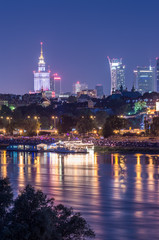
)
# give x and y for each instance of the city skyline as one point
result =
(78, 37)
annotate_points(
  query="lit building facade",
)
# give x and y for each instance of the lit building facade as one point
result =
(157, 73)
(55, 84)
(117, 73)
(99, 89)
(145, 79)
(90, 92)
(77, 87)
(42, 77)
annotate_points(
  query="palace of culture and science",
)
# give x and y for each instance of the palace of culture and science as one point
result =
(42, 77)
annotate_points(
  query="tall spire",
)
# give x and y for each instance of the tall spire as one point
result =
(41, 64)
(41, 55)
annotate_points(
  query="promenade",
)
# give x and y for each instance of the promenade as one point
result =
(7, 140)
(108, 144)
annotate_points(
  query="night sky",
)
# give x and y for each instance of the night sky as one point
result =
(78, 35)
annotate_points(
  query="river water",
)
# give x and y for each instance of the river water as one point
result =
(118, 194)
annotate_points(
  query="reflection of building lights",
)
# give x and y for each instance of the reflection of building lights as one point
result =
(4, 163)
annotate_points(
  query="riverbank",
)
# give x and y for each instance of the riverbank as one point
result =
(121, 144)
(118, 144)
(105, 149)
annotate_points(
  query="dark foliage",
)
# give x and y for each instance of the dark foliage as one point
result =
(113, 123)
(85, 124)
(66, 123)
(32, 216)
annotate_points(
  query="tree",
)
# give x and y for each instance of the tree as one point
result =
(155, 126)
(10, 128)
(6, 197)
(139, 106)
(85, 124)
(31, 126)
(72, 99)
(66, 123)
(33, 216)
(147, 127)
(113, 123)
(107, 129)
(101, 118)
(117, 123)
(5, 111)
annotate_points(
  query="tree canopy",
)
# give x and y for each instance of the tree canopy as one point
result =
(85, 124)
(113, 123)
(33, 216)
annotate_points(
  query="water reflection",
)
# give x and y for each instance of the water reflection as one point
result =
(117, 193)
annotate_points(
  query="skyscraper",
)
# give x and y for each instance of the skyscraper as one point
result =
(52, 83)
(145, 79)
(117, 72)
(99, 89)
(56, 84)
(77, 87)
(42, 77)
(157, 73)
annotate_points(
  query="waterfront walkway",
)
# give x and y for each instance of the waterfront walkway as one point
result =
(25, 140)
(126, 143)
(123, 143)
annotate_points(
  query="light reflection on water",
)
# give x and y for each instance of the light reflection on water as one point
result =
(118, 194)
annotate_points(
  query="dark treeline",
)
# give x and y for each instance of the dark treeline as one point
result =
(33, 216)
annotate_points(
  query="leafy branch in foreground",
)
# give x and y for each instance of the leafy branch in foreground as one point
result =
(32, 216)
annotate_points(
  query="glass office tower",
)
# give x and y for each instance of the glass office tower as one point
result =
(145, 79)
(117, 72)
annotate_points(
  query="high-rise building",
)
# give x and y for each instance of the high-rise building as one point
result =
(157, 73)
(42, 77)
(117, 72)
(99, 89)
(52, 83)
(56, 84)
(145, 79)
(78, 87)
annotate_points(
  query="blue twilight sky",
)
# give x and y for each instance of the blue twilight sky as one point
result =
(78, 36)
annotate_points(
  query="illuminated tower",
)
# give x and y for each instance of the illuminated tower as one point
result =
(77, 87)
(55, 84)
(117, 72)
(42, 77)
(145, 79)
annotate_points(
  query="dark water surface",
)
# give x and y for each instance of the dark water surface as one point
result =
(118, 194)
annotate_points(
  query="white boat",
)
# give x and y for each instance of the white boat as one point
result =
(71, 147)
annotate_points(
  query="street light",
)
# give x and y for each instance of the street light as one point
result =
(9, 118)
(21, 131)
(54, 118)
(92, 117)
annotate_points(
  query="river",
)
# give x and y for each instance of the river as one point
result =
(118, 194)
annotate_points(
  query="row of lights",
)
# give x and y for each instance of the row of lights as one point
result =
(92, 117)
(35, 117)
